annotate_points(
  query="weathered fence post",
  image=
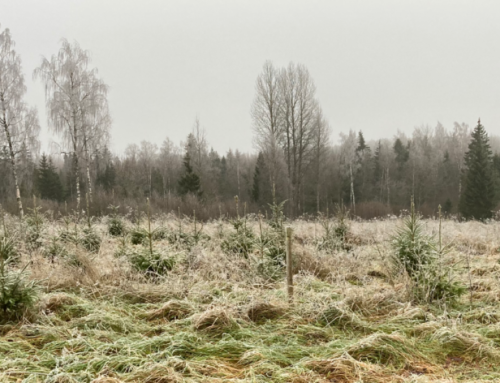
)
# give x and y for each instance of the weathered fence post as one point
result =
(289, 265)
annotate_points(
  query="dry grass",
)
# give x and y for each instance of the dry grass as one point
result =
(214, 320)
(171, 310)
(221, 318)
(261, 311)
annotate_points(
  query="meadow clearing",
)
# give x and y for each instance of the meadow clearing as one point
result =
(194, 302)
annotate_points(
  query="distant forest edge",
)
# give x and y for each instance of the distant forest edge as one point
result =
(295, 160)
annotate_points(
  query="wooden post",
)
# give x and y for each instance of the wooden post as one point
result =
(289, 265)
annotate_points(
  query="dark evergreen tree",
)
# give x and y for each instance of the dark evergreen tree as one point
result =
(361, 143)
(478, 198)
(107, 178)
(223, 192)
(447, 207)
(402, 153)
(378, 173)
(496, 173)
(257, 178)
(364, 162)
(189, 183)
(48, 182)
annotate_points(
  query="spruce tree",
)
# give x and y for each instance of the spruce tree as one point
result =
(48, 182)
(56, 187)
(496, 174)
(478, 199)
(257, 178)
(189, 182)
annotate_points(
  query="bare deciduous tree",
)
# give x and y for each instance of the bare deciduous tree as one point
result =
(298, 111)
(320, 149)
(460, 143)
(348, 161)
(68, 86)
(19, 124)
(96, 122)
(266, 114)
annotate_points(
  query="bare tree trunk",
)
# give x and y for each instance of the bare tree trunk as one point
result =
(353, 199)
(75, 160)
(77, 178)
(12, 160)
(238, 174)
(150, 185)
(459, 182)
(89, 180)
(388, 189)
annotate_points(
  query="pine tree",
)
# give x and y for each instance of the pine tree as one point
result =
(189, 182)
(479, 195)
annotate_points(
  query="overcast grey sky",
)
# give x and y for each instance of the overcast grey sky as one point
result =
(379, 66)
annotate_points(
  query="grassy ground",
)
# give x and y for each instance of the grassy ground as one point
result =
(221, 317)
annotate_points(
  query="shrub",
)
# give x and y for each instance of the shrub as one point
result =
(336, 233)
(138, 236)
(116, 228)
(159, 233)
(8, 249)
(90, 240)
(419, 256)
(151, 263)
(16, 294)
(412, 248)
(269, 269)
(241, 242)
(34, 222)
(54, 250)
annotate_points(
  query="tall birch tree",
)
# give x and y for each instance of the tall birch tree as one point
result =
(18, 123)
(67, 81)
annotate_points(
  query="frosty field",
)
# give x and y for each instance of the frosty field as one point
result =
(222, 315)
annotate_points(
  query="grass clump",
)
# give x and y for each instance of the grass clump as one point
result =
(336, 316)
(215, 320)
(261, 311)
(385, 349)
(172, 310)
(465, 345)
(56, 302)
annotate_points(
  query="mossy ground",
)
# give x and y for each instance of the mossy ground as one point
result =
(216, 318)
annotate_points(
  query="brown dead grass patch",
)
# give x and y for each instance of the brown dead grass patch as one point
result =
(172, 310)
(54, 302)
(261, 311)
(213, 320)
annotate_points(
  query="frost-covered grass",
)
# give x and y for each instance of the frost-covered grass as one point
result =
(223, 317)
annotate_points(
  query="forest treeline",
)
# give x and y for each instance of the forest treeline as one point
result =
(296, 159)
